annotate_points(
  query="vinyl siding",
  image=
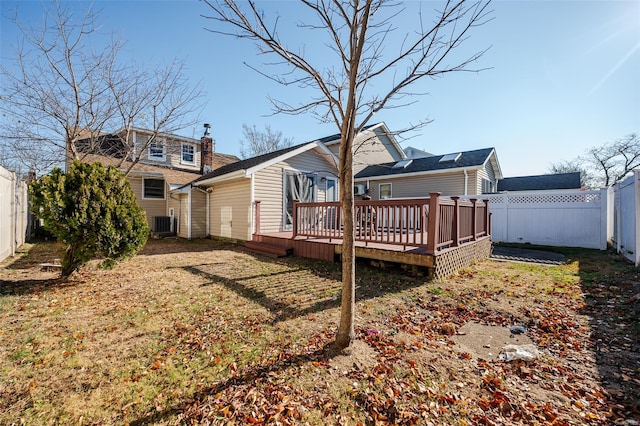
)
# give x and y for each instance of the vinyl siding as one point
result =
(420, 186)
(198, 214)
(268, 186)
(173, 152)
(369, 149)
(230, 210)
(175, 204)
(151, 207)
(183, 218)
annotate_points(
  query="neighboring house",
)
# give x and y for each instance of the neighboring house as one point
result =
(411, 152)
(549, 182)
(373, 145)
(459, 173)
(223, 203)
(169, 162)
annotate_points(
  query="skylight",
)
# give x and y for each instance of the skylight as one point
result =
(402, 164)
(450, 158)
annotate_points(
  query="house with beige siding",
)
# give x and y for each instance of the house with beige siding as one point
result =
(459, 173)
(375, 144)
(223, 203)
(155, 168)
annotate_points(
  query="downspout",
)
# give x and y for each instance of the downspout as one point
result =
(177, 227)
(466, 182)
(252, 213)
(189, 215)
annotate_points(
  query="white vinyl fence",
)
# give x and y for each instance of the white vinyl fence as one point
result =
(13, 213)
(564, 219)
(626, 217)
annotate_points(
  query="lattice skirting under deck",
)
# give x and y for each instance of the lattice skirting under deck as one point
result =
(449, 262)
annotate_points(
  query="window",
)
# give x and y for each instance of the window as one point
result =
(487, 186)
(450, 158)
(188, 154)
(156, 151)
(385, 191)
(153, 188)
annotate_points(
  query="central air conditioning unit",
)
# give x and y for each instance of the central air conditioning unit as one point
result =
(359, 189)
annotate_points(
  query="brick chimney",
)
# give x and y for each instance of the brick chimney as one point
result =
(206, 151)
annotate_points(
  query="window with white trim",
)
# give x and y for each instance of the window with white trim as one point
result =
(188, 154)
(153, 189)
(385, 191)
(487, 186)
(157, 150)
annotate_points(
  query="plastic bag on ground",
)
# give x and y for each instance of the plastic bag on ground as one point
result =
(519, 352)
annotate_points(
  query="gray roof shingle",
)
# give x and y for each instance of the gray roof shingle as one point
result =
(541, 182)
(248, 163)
(475, 158)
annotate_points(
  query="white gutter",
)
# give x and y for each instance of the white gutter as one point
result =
(428, 172)
(221, 178)
(189, 215)
(253, 207)
(466, 181)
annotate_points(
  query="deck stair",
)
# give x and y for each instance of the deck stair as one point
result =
(267, 249)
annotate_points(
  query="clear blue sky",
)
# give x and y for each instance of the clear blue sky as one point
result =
(565, 76)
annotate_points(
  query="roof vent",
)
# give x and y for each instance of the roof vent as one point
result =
(450, 158)
(402, 164)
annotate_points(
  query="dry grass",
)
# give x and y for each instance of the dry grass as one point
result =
(203, 332)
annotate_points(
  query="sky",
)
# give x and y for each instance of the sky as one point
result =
(559, 77)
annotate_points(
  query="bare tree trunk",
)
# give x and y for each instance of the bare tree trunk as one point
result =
(347, 310)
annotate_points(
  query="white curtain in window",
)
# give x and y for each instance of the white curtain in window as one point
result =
(298, 186)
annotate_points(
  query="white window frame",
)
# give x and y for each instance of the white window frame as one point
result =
(334, 188)
(489, 185)
(164, 189)
(380, 191)
(154, 144)
(193, 154)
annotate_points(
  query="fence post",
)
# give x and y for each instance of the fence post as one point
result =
(474, 215)
(487, 217)
(434, 222)
(456, 221)
(295, 218)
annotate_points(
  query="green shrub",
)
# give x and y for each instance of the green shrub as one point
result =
(93, 211)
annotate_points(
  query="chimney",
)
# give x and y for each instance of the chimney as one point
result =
(206, 151)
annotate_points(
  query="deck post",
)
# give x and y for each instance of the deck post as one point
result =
(434, 222)
(294, 219)
(456, 221)
(256, 221)
(487, 217)
(474, 214)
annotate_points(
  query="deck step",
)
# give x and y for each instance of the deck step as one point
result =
(268, 249)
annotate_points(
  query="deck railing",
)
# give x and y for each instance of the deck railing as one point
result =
(434, 223)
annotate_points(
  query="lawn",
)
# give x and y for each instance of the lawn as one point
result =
(201, 332)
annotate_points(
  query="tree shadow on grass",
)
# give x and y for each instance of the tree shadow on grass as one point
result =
(27, 287)
(190, 406)
(611, 288)
(305, 286)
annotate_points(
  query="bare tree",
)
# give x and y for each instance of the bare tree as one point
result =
(257, 142)
(573, 166)
(356, 78)
(616, 159)
(604, 165)
(59, 90)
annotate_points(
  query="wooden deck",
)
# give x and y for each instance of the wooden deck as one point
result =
(441, 234)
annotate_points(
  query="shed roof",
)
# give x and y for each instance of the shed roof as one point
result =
(541, 182)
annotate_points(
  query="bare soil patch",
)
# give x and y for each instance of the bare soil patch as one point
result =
(200, 332)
